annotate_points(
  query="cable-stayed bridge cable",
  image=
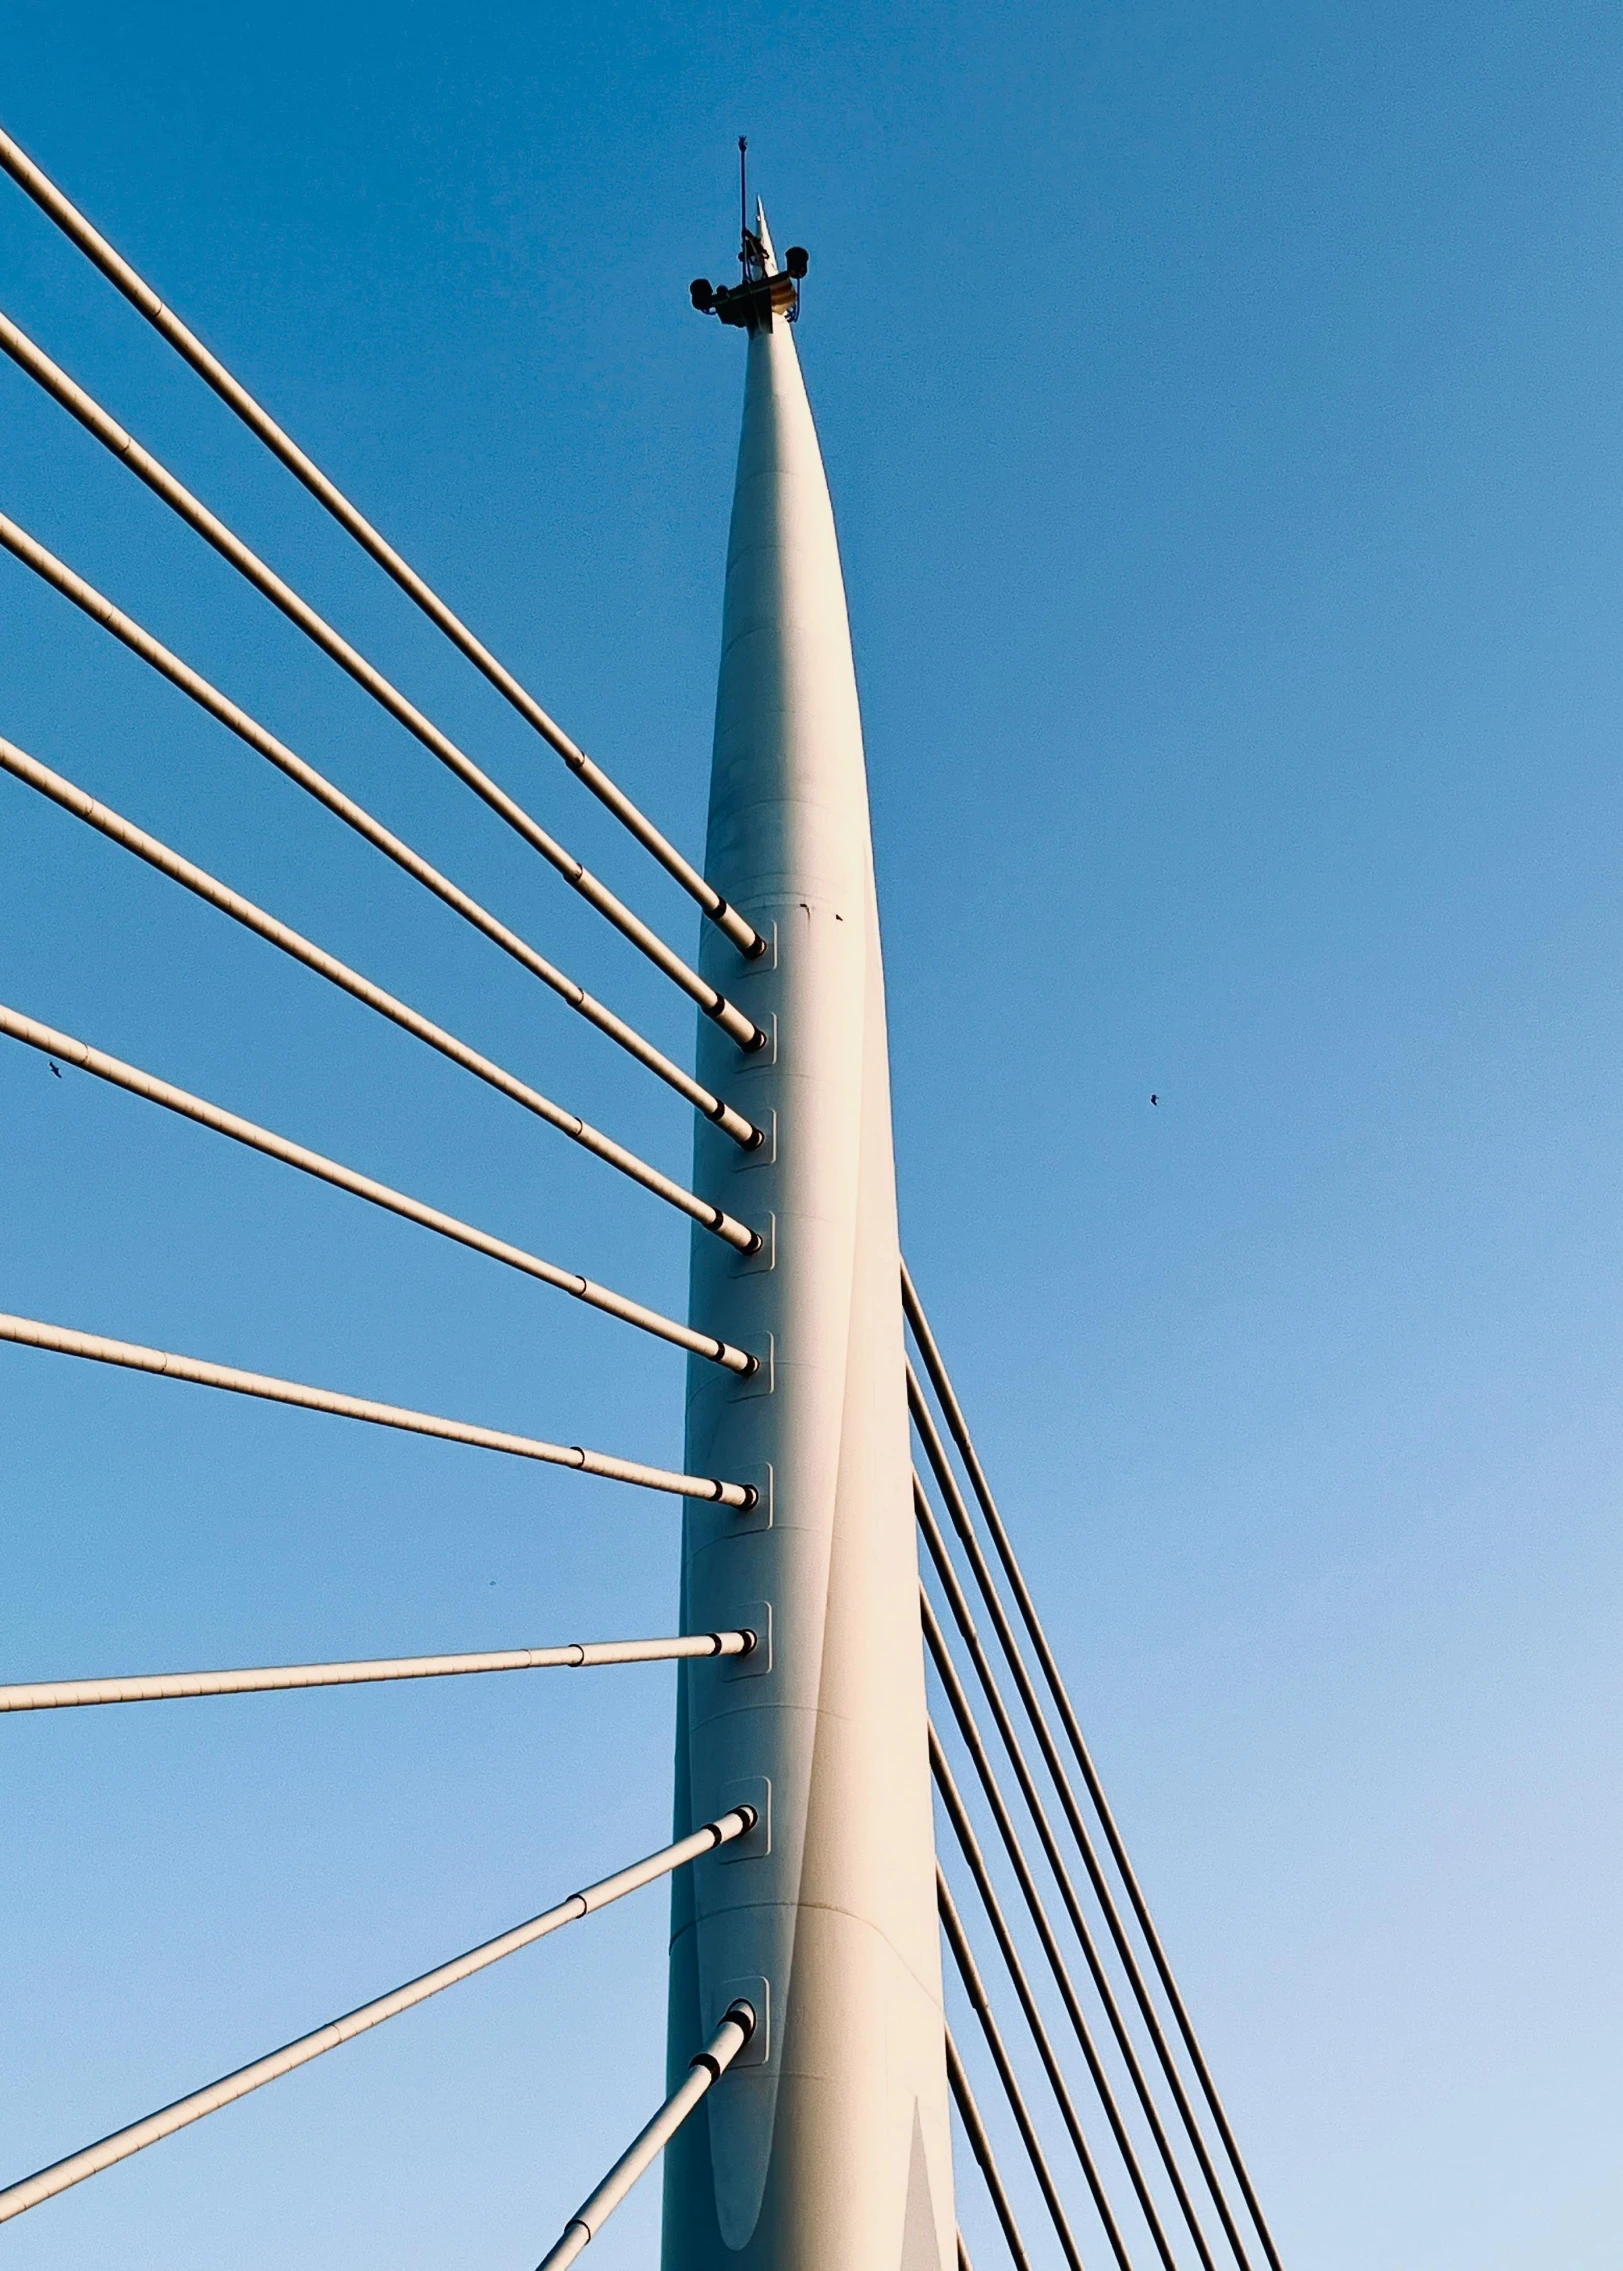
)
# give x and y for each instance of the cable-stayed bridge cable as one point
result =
(727, 1227)
(230, 902)
(980, 2003)
(213, 372)
(275, 1679)
(99, 1348)
(704, 2071)
(969, 1844)
(106, 429)
(1055, 1859)
(987, 1777)
(51, 1043)
(47, 2182)
(941, 1382)
(1050, 1844)
(129, 633)
(980, 2144)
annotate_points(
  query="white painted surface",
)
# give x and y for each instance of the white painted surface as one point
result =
(833, 2149)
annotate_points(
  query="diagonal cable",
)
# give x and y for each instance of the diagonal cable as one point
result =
(47, 2182)
(195, 879)
(704, 2072)
(197, 688)
(981, 2146)
(1050, 1845)
(987, 1777)
(141, 296)
(98, 1348)
(969, 1845)
(106, 429)
(980, 2003)
(942, 1384)
(50, 1043)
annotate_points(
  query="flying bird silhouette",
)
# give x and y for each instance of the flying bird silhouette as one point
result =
(1155, 1099)
(55, 1067)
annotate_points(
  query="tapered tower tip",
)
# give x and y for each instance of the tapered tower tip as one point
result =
(765, 291)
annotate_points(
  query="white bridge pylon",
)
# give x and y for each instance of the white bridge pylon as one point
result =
(809, 2059)
(828, 2149)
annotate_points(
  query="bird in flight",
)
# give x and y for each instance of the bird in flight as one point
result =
(55, 1067)
(1155, 1099)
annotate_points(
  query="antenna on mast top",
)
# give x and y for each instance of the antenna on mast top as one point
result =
(765, 290)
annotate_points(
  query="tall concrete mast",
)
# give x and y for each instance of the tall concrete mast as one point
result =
(827, 2147)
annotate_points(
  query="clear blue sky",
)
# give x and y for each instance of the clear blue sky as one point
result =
(1223, 414)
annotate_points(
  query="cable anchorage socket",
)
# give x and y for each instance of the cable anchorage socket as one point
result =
(751, 1794)
(756, 1994)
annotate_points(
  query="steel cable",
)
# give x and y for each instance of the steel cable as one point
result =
(99, 1348)
(987, 1777)
(981, 2146)
(157, 855)
(197, 688)
(958, 1814)
(1135, 1977)
(236, 397)
(47, 2182)
(277, 1679)
(106, 429)
(704, 2072)
(50, 1043)
(980, 2003)
(950, 1405)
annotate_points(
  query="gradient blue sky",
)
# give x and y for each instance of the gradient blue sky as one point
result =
(1223, 413)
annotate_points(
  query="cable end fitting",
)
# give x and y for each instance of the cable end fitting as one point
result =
(744, 1132)
(740, 1028)
(757, 946)
(755, 1244)
(752, 1641)
(752, 1499)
